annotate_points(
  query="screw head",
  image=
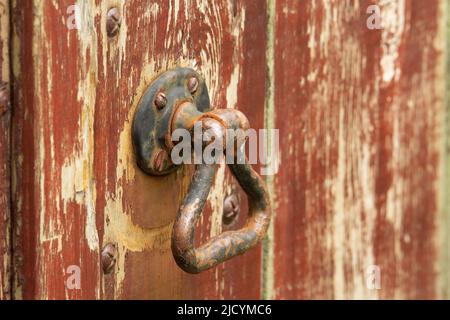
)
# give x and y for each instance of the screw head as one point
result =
(231, 209)
(160, 100)
(192, 85)
(109, 258)
(113, 22)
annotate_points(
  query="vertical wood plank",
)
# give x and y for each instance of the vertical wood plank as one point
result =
(55, 228)
(77, 187)
(361, 153)
(444, 279)
(5, 174)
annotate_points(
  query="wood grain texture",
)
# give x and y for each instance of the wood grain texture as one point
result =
(77, 186)
(361, 120)
(5, 173)
(361, 115)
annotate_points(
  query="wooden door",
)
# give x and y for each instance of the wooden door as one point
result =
(362, 122)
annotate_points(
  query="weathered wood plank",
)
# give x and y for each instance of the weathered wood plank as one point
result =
(77, 185)
(361, 112)
(5, 173)
(444, 224)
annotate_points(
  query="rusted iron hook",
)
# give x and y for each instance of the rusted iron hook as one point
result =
(231, 243)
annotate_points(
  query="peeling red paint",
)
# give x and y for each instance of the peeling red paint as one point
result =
(364, 152)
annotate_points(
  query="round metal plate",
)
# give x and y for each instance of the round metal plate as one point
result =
(151, 125)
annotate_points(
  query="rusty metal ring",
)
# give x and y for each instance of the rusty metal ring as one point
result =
(228, 244)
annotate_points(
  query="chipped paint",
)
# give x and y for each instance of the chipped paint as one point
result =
(87, 96)
(130, 236)
(393, 25)
(339, 215)
(366, 188)
(232, 89)
(349, 145)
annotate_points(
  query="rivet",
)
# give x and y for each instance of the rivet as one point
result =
(192, 85)
(113, 22)
(109, 253)
(160, 100)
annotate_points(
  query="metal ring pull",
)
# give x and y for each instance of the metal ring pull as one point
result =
(186, 103)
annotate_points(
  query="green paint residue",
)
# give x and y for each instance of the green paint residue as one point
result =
(268, 291)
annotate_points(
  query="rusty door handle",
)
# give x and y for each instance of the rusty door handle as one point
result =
(178, 99)
(230, 243)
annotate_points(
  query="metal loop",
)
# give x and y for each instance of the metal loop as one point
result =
(228, 244)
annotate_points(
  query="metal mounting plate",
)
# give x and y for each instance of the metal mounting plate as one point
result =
(151, 124)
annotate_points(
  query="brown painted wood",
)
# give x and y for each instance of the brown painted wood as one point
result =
(5, 173)
(78, 187)
(361, 116)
